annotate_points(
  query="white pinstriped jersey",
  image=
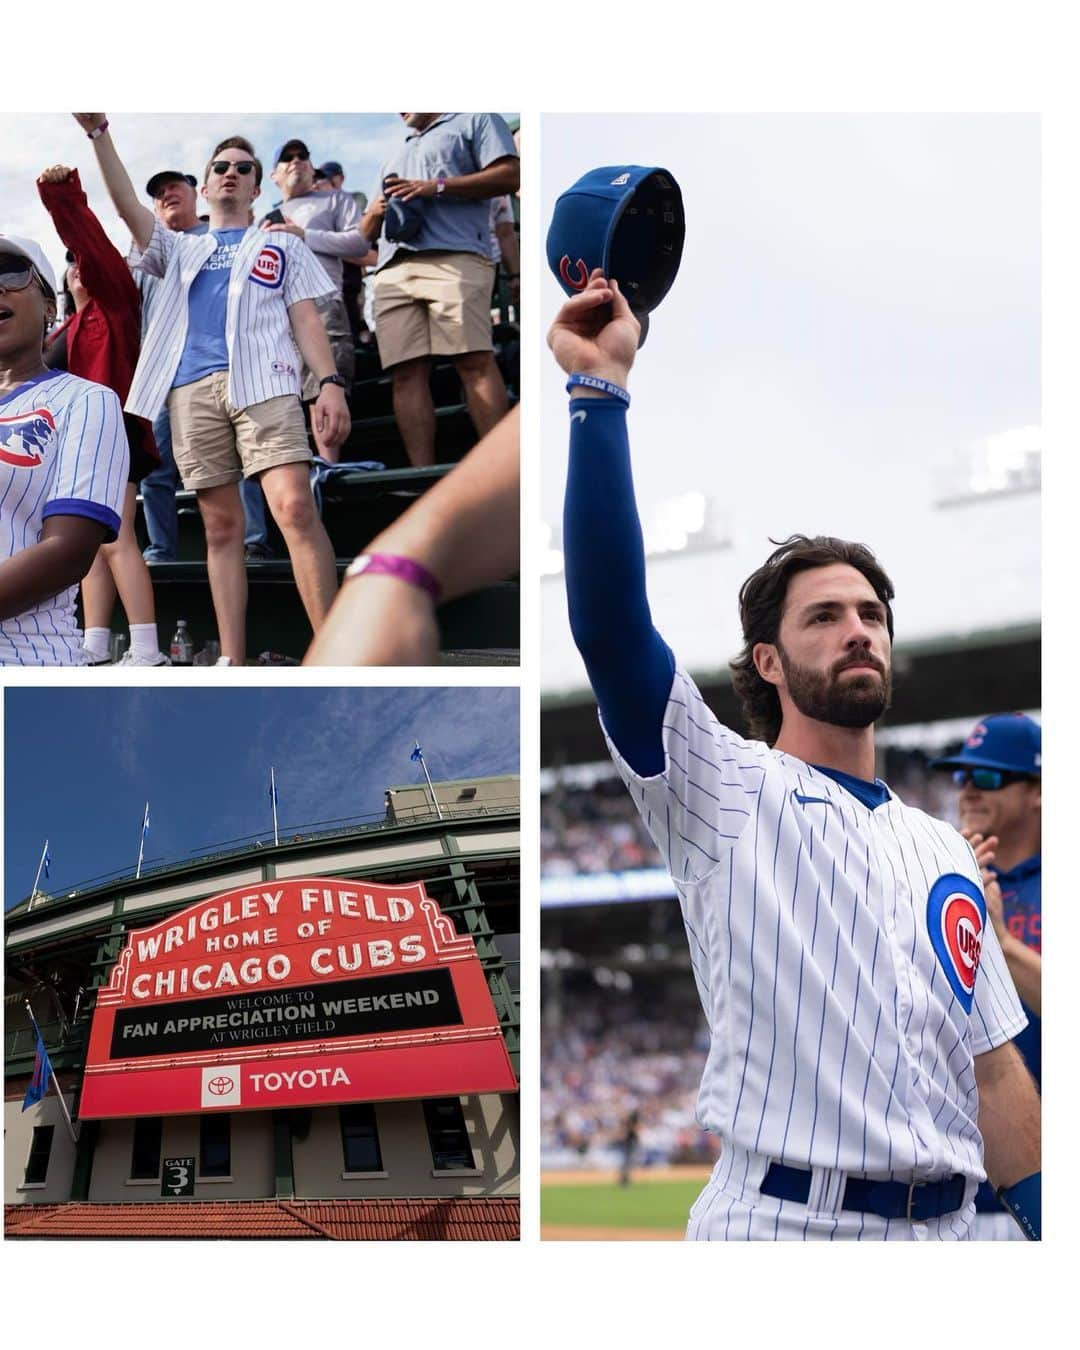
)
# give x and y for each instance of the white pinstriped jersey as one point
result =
(835, 950)
(63, 451)
(269, 273)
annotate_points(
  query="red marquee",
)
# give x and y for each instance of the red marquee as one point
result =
(294, 993)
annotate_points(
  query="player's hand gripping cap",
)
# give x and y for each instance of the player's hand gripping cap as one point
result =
(627, 220)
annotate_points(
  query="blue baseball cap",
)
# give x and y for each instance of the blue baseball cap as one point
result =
(627, 220)
(1008, 741)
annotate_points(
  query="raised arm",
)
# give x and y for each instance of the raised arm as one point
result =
(630, 667)
(104, 272)
(138, 218)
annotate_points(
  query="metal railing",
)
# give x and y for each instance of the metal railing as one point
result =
(339, 827)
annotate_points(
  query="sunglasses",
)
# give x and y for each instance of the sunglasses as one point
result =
(222, 166)
(295, 154)
(15, 274)
(988, 780)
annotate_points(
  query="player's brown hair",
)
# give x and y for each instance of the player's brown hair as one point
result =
(761, 607)
(235, 143)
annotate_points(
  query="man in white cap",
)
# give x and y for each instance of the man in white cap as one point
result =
(63, 470)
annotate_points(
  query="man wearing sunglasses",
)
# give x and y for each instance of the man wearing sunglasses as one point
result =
(329, 223)
(63, 471)
(219, 351)
(998, 771)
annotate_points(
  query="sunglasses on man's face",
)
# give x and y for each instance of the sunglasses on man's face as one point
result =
(293, 154)
(987, 780)
(15, 274)
(222, 166)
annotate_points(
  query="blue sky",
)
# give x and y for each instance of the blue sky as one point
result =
(80, 764)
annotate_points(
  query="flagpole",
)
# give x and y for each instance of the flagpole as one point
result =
(52, 1073)
(40, 865)
(142, 840)
(273, 799)
(423, 765)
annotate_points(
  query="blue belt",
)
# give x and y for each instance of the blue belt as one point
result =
(918, 1202)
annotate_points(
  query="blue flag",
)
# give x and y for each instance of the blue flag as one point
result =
(39, 1080)
(417, 754)
(48, 860)
(271, 792)
(146, 821)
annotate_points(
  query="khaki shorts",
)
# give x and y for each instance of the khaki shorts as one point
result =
(433, 304)
(214, 444)
(342, 343)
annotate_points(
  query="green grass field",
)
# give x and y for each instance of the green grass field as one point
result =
(645, 1204)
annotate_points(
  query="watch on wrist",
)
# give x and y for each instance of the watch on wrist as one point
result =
(440, 185)
(333, 379)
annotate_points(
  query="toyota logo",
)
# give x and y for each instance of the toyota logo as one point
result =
(220, 1085)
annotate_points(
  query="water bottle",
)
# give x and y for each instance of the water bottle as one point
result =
(181, 648)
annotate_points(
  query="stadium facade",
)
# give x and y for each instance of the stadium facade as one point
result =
(317, 1038)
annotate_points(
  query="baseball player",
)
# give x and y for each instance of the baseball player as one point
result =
(219, 348)
(860, 1075)
(63, 470)
(999, 773)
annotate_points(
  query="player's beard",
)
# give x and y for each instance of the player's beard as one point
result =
(826, 696)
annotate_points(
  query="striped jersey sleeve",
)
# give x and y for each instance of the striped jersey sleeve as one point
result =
(305, 276)
(699, 806)
(996, 1012)
(92, 463)
(154, 259)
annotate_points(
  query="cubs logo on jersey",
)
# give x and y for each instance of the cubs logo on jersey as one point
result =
(269, 268)
(581, 280)
(955, 919)
(25, 437)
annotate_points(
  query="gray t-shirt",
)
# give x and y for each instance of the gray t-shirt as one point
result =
(331, 224)
(453, 145)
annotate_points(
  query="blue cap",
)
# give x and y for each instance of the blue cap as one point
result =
(1008, 741)
(627, 220)
(330, 168)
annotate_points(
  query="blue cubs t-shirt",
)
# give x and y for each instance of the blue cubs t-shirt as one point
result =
(204, 349)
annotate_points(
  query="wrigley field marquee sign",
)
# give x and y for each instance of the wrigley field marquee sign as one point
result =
(294, 993)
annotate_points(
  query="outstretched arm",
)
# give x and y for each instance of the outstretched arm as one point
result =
(138, 219)
(464, 531)
(630, 666)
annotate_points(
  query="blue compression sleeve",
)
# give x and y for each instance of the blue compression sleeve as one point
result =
(630, 665)
(1023, 1200)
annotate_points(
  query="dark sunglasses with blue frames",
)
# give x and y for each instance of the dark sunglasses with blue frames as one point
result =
(989, 780)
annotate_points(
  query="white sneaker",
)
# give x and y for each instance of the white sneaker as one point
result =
(93, 659)
(130, 658)
(223, 661)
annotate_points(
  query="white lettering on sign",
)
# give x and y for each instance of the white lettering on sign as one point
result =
(205, 978)
(300, 1078)
(231, 912)
(376, 954)
(331, 900)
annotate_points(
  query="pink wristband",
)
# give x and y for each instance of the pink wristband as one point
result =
(389, 565)
(98, 130)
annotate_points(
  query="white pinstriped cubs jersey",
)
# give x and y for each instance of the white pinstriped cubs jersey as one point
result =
(841, 955)
(270, 272)
(63, 451)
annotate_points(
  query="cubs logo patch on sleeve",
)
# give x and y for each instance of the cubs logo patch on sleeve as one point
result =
(955, 919)
(269, 268)
(25, 437)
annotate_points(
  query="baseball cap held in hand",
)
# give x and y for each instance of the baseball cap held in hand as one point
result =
(627, 220)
